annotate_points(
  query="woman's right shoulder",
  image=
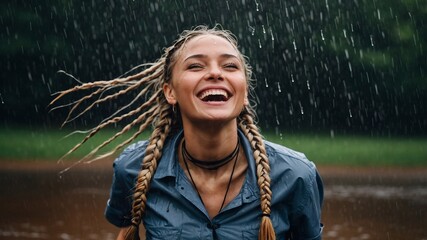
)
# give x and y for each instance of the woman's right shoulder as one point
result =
(131, 157)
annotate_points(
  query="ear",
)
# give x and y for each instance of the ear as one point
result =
(246, 100)
(169, 93)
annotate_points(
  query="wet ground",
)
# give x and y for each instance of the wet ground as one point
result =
(377, 204)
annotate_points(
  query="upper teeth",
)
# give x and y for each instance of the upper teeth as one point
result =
(214, 92)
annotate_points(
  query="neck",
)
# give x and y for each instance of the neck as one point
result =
(210, 164)
(210, 144)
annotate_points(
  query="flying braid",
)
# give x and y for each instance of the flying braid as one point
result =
(153, 153)
(250, 129)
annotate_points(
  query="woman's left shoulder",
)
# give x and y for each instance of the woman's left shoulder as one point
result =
(283, 159)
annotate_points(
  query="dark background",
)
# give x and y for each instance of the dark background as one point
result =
(344, 66)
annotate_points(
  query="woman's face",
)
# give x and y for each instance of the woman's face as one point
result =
(208, 81)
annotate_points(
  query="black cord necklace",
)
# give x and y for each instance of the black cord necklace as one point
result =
(235, 156)
(210, 165)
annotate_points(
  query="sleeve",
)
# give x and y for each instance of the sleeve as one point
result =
(126, 167)
(306, 223)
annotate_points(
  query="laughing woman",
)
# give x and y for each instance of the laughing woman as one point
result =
(205, 172)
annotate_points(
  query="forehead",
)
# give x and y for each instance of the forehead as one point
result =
(208, 44)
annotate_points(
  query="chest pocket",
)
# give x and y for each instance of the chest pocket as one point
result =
(162, 233)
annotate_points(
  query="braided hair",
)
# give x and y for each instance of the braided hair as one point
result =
(158, 112)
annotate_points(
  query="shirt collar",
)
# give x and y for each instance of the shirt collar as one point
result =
(169, 161)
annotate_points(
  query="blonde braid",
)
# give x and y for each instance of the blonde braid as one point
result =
(148, 80)
(153, 153)
(250, 129)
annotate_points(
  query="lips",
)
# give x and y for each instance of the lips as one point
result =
(214, 95)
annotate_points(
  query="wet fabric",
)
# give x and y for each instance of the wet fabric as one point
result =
(175, 211)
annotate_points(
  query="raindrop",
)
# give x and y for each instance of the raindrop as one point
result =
(308, 85)
(295, 45)
(263, 29)
(278, 87)
(346, 54)
(228, 6)
(252, 30)
(372, 40)
(181, 16)
(277, 115)
(272, 36)
(265, 79)
(301, 108)
(259, 43)
(332, 133)
(1, 98)
(257, 6)
(292, 78)
(322, 35)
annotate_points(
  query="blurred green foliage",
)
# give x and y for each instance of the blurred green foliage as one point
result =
(323, 149)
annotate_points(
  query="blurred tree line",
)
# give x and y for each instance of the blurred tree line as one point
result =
(333, 66)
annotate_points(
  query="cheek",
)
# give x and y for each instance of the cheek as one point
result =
(242, 84)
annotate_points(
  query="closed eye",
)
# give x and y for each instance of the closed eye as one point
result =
(231, 66)
(195, 66)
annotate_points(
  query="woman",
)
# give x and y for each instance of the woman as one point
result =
(205, 172)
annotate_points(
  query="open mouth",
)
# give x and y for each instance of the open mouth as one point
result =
(214, 95)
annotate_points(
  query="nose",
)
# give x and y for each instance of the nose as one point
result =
(215, 73)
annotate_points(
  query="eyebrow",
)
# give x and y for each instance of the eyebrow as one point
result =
(225, 55)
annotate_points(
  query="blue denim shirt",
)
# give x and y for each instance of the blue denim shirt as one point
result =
(175, 211)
